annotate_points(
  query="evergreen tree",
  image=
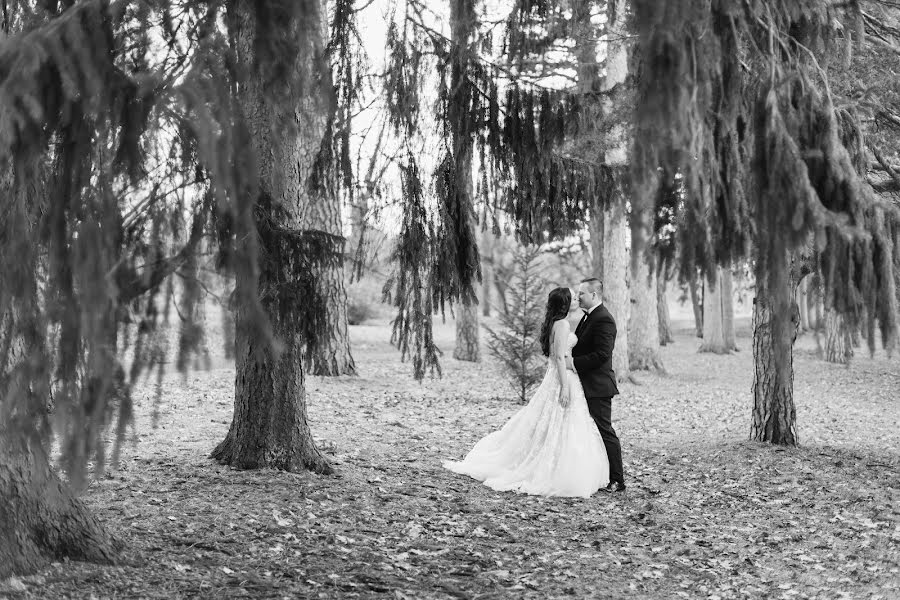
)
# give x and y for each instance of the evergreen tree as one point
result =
(107, 143)
(517, 344)
(733, 98)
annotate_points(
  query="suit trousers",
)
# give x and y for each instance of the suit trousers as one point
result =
(601, 411)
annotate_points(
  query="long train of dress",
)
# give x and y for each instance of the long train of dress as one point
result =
(544, 449)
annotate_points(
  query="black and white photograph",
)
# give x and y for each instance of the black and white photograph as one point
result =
(450, 299)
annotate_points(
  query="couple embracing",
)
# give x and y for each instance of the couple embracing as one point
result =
(562, 442)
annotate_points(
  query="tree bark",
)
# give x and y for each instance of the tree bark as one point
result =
(321, 211)
(727, 299)
(487, 270)
(462, 18)
(585, 36)
(838, 342)
(615, 286)
(718, 313)
(803, 304)
(40, 519)
(597, 229)
(227, 331)
(819, 308)
(697, 305)
(662, 307)
(269, 427)
(714, 315)
(643, 323)
(774, 415)
(467, 334)
(618, 141)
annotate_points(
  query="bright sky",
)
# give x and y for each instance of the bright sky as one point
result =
(373, 23)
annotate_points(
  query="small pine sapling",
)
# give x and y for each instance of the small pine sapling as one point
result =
(517, 343)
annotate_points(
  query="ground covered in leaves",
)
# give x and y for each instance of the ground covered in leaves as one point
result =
(707, 514)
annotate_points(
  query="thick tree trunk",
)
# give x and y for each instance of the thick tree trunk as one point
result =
(462, 19)
(662, 310)
(467, 334)
(615, 285)
(331, 356)
(321, 211)
(269, 427)
(643, 323)
(718, 314)
(838, 342)
(774, 416)
(714, 315)
(697, 305)
(40, 520)
(584, 35)
(618, 95)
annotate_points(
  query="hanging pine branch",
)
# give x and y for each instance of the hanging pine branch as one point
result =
(519, 134)
(718, 117)
(83, 91)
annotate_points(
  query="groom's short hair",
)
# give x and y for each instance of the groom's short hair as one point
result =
(594, 284)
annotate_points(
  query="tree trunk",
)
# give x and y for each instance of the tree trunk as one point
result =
(643, 323)
(727, 298)
(803, 304)
(774, 416)
(819, 308)
(855, 332)
(618, 141)
(467, 334)
(487, 270)
(269, 427)
(714, 315)
(597, 230)
(462, 19)
(227, 331)
(585, 36)
(662, 307)
(321, 211)
(838, 342)
(331, 354)
(697, 304)
(40, 520)
(615, 285)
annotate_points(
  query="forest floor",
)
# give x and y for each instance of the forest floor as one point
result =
(707, 514)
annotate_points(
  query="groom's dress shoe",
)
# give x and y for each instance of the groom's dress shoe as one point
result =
(614, 486)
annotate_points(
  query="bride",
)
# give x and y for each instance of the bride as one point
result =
(551, 447)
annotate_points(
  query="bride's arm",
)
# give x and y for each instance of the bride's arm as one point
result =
(558, 354)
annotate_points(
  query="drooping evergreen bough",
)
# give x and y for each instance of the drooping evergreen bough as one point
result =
(734, 98)
(518, 132)
(124, 148)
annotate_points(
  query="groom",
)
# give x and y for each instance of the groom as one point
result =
(592, 360)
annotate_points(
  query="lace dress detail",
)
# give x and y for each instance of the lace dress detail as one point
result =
(544, 449)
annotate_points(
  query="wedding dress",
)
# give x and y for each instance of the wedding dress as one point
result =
(544, 449)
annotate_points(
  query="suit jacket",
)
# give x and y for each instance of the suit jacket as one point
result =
(592, 354)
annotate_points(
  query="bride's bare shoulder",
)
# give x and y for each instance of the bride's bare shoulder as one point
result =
(562, 325)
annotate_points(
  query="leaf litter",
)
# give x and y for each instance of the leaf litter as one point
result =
(707, 514)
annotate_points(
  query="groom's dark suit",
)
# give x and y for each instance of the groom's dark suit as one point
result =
(592, 358)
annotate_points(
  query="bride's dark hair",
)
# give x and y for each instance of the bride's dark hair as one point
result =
(558, 303)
